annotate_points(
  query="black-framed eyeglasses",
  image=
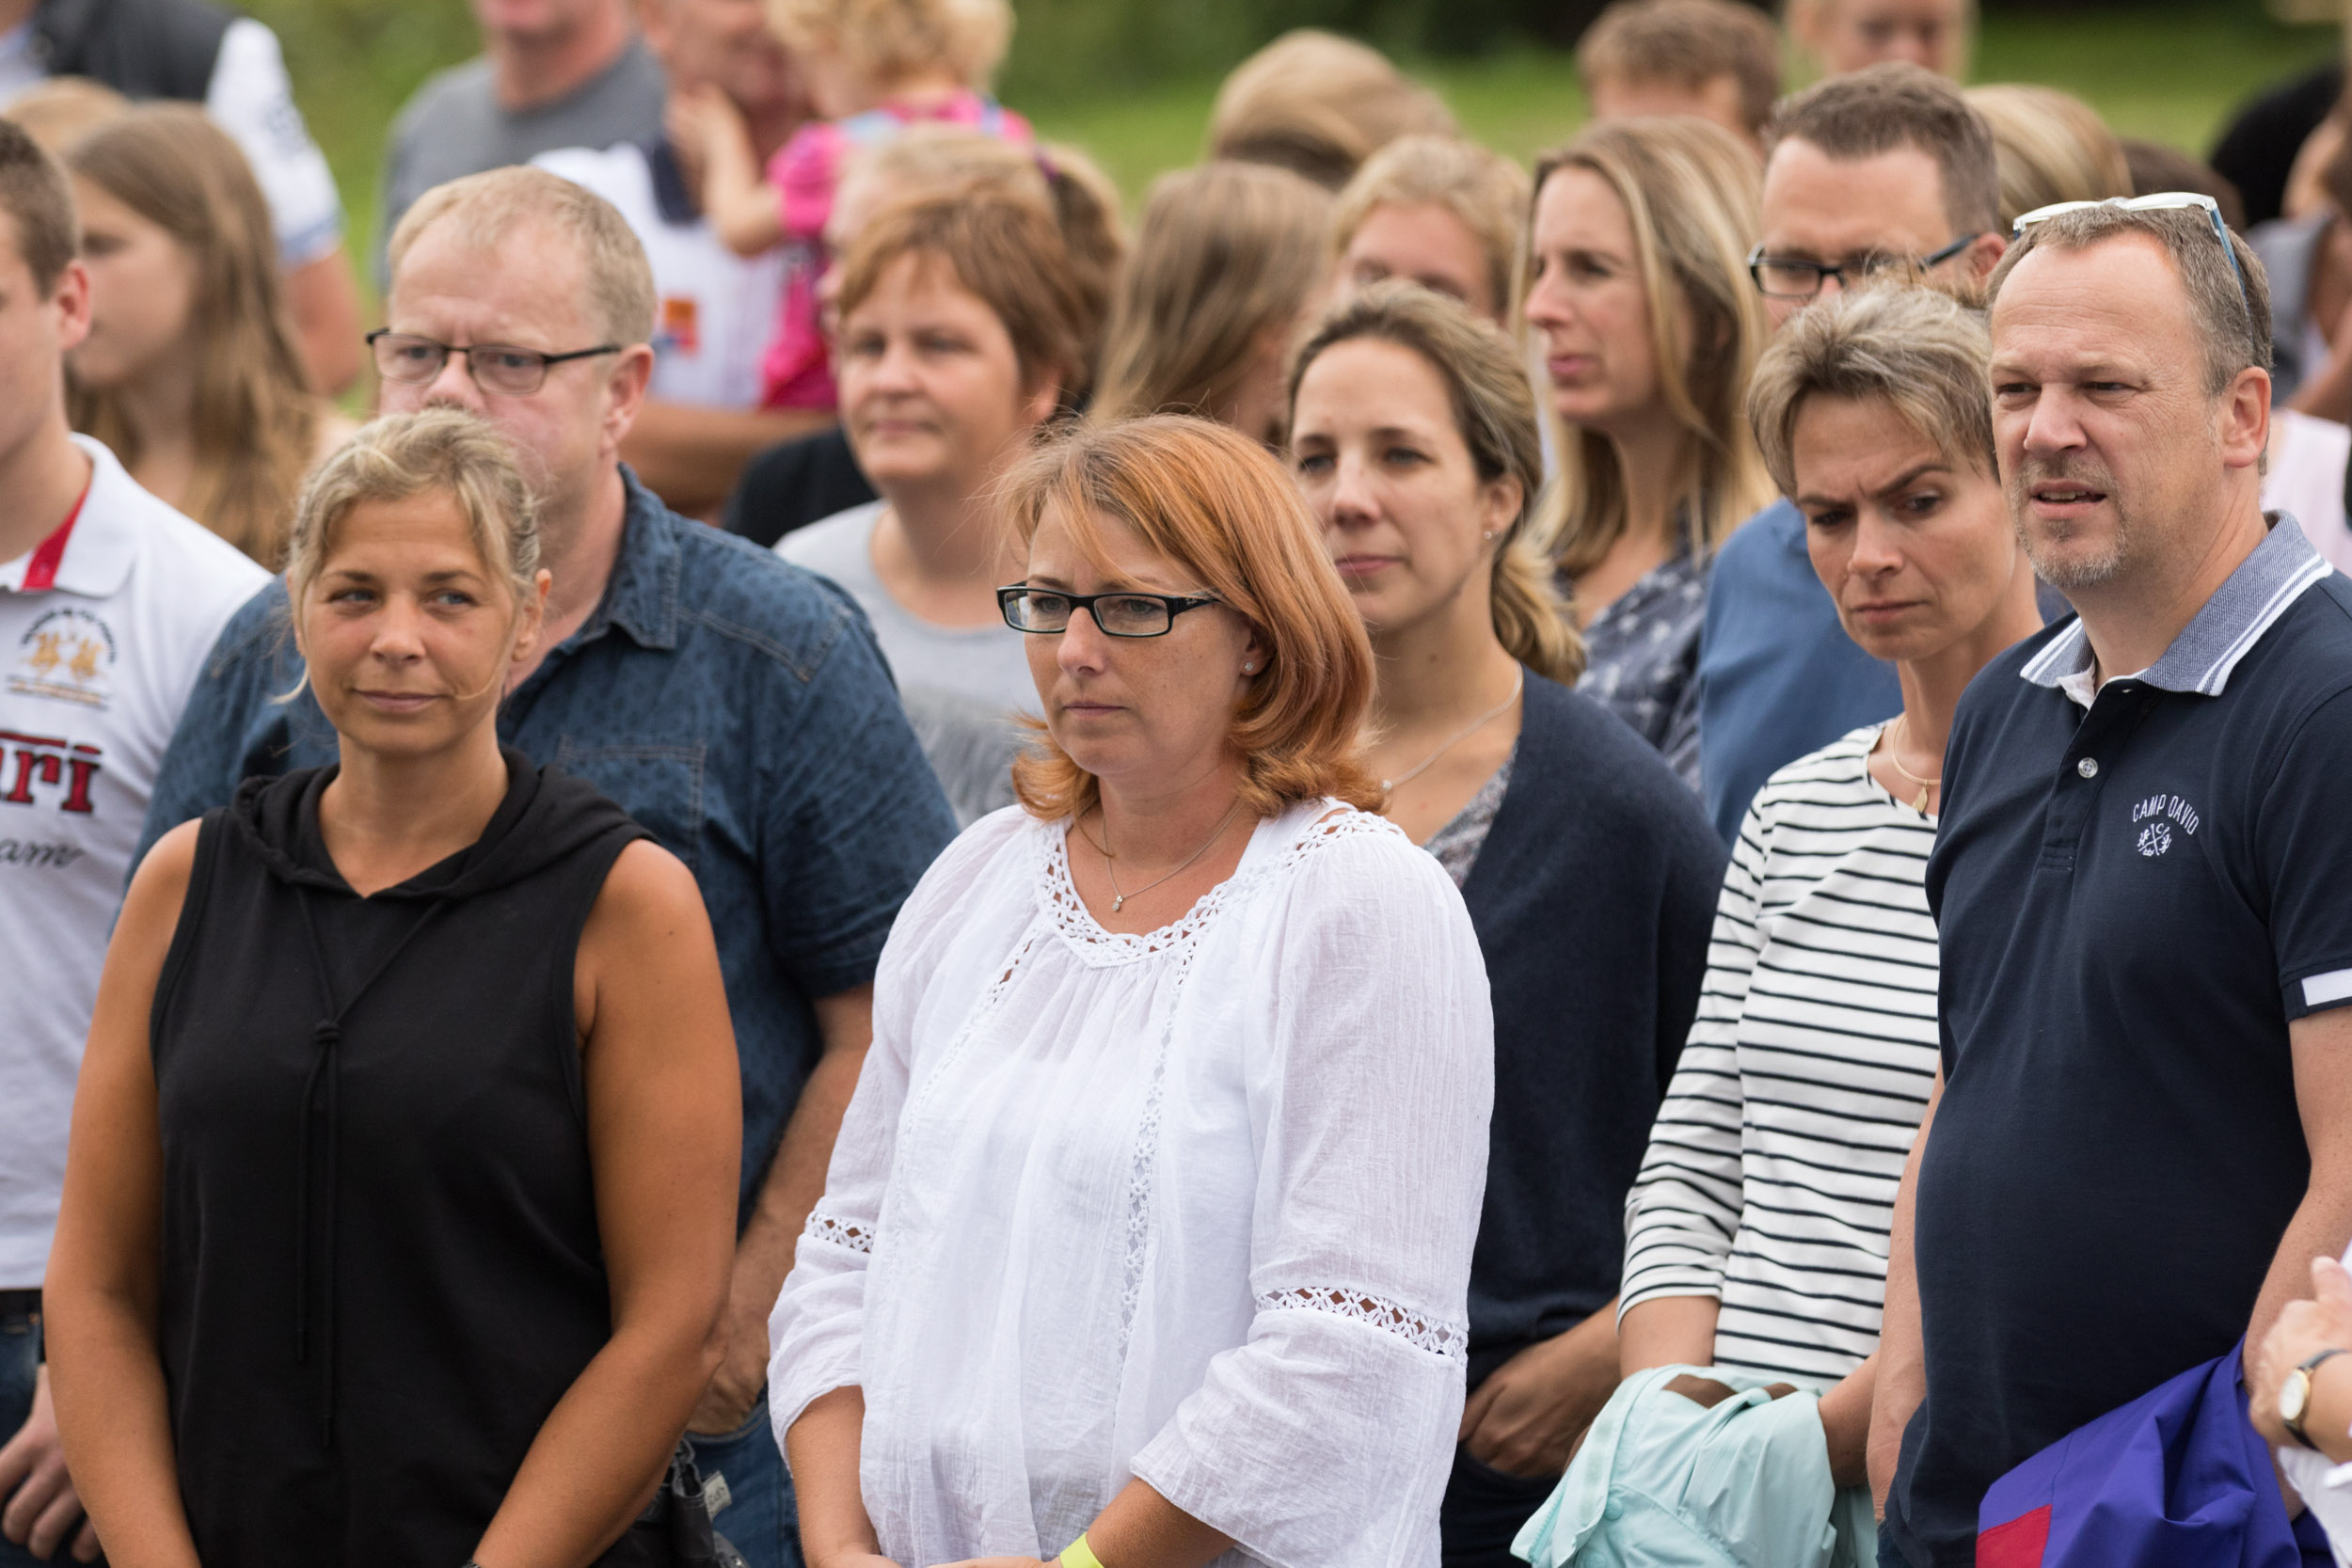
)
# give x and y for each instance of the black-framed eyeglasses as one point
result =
(2158, 201)
(495, 366)
(1798, 277)
(1044, 612)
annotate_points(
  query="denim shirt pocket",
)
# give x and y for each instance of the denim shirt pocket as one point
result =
(660, 786)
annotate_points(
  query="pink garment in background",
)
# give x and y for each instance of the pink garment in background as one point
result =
(805, 172)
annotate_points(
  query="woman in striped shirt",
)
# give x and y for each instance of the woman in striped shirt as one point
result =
(1758, 1229)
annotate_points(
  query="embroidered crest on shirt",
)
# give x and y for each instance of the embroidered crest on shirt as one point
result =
(2162, 813)
(65, 655)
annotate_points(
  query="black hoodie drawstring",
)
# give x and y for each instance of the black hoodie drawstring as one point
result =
(327, 1064)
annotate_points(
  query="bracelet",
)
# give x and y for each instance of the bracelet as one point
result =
(1078, 1555)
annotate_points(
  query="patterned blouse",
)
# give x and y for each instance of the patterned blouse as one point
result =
(1642, 660)
(1457, 844)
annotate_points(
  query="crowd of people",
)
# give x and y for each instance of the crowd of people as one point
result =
(1720, 742)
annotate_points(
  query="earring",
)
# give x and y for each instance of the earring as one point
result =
(1249, 668)
(1488, 534)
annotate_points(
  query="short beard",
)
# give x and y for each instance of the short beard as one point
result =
(2067, 574)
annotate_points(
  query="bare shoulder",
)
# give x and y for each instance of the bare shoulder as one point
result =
(648, 891)
(160, 885)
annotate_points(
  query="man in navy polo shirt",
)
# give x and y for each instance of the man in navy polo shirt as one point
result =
(2145, 1129)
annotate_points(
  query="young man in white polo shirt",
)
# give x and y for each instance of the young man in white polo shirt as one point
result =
(109, 601)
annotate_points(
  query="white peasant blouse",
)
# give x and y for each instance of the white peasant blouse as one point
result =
(1195, 1206)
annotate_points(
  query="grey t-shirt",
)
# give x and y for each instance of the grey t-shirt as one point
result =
(453, 126)
(962, 685)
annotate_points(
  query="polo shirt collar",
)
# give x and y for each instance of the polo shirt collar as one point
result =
(2224, 632)
(103, 544)
(642, 597)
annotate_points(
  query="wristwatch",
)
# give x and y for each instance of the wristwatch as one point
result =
(2295, 1397)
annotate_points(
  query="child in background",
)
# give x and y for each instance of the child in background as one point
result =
(873, 68)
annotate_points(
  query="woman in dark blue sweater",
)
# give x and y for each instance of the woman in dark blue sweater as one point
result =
(1589, 870)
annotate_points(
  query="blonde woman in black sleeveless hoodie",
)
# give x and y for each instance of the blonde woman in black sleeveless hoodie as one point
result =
(400, 1202)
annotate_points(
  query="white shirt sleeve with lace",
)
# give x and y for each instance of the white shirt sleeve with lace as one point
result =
(1195, 1206)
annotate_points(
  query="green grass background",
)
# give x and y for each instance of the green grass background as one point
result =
(2157, 69)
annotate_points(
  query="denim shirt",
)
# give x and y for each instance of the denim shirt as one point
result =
(735, 705)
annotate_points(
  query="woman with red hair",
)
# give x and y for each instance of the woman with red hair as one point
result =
(1147, 1237)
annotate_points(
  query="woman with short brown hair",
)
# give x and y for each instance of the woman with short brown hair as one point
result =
(964, 325)
(1147, 1237)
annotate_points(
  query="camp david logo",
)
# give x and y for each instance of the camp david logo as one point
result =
(68, 655)
(2162, 814)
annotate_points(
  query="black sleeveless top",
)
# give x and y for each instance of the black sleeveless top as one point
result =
(381, 1266)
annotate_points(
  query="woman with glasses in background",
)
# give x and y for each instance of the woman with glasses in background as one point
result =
(1147, 1234)
(1638, 296)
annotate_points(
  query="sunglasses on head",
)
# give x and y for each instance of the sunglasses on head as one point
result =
(2161, 201)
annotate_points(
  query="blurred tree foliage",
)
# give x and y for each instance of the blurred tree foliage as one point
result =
(1067, 46)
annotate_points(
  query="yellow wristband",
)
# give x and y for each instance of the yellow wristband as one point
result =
(1079, 1554)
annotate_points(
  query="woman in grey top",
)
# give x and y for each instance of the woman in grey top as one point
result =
(1638, 293)
(962, 326)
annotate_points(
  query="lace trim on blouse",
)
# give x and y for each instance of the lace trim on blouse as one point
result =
(1097, 947)
(1434, 1335)
(822, 1226)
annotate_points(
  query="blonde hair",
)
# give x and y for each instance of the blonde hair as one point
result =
(885, 41)
(1318, 105)
(1920, 353)
(488, 208)
(255, 419)
(1488, 192)
(1226, 254)
(2050, 147)
(1214, 503)
(1690, 191)
(1494, 413)
(60, 111)
(444, 450)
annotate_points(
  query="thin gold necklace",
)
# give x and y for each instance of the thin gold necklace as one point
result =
(1920, 805)
(1468, 730)
(1119, 899)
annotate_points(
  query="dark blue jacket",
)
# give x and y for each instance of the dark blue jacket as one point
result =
(1593, 899)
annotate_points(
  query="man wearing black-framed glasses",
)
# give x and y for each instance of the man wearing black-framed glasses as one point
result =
(1886, 174)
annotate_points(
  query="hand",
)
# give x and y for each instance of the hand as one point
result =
(2303, 1330)
(1845, 1424)
(698, 118)
(735, 1389)
(1525, 1419)
(1003, 1562)
(41, 1508)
